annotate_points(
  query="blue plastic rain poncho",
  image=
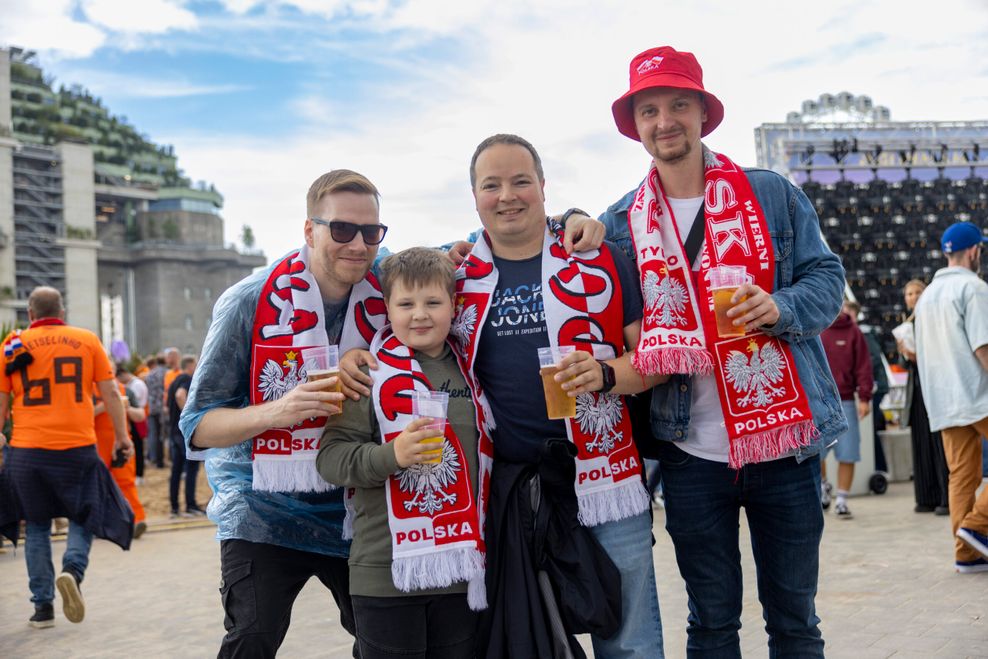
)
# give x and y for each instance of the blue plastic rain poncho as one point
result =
(310, 522)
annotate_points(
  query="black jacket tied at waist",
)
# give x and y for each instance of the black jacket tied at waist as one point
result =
(533, 535)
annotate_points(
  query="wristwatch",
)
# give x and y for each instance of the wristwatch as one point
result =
(609, 379)
(571, 211)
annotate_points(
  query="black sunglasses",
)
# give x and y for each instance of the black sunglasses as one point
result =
(343, 232)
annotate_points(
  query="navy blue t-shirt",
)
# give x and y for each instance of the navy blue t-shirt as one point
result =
(507, 357)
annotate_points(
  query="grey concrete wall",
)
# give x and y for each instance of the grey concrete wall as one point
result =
(181, 227)
(172, 287)
(78, 194)
(81, 293)
(79, 200)
(5, 113)
(8, 282)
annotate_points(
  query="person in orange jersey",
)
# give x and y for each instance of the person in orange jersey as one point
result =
(125, 474)
(49, 374)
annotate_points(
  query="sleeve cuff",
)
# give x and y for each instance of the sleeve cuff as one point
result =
(383, 461)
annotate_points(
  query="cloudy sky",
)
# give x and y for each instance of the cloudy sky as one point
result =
(260, 98)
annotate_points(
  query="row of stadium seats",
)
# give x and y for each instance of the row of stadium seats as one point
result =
(888, 233)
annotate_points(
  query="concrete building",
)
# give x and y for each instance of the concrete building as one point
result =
(91, 208)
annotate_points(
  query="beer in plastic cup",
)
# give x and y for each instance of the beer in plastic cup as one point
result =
(724, 282)
(557, 404)
(432, 405)
(323, 363)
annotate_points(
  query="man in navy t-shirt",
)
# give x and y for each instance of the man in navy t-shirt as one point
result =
(507, 180)
(506, 358)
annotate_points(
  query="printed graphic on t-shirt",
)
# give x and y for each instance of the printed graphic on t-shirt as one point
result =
(517, 310)
(446, 387)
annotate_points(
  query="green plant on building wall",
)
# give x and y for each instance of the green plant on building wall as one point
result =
(78, 233)
(170, 229)
(247, 236)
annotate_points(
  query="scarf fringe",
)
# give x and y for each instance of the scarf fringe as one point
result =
(477, 593)
(291, 475)
(437, 568)
(624, 499)
(669, 361)
(770, 444)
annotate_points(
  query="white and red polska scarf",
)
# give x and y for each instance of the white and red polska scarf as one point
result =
(435, 512)
(766, 411)
(289, 318)
(583, 308)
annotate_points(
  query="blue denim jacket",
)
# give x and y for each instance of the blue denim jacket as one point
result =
(311, 522)
(809, 287)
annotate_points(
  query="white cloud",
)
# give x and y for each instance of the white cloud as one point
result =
(47, 25)
(144, 17)
(549, 72)
(134, 86)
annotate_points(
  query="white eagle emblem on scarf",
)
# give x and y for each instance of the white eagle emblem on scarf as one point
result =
(275, 382)
(755, 376)
(427, 482)
(598, 416)
(666, 300)
(464, 323)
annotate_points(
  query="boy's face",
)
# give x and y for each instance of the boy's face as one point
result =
(421, 316)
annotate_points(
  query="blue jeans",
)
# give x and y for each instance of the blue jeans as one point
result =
(628, 542)
(37, 553)
(156, 440)
(782, 501)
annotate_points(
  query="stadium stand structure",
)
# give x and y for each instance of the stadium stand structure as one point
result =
(884, 191)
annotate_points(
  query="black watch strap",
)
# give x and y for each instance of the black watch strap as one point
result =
(610, 379)
(568, 213)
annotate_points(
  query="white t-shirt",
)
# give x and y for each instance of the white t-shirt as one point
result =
(137, 387)
(951, 323)
(707, 435)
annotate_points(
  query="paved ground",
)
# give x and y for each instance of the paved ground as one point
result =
(887, 589)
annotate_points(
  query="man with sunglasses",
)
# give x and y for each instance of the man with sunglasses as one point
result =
(277, 521)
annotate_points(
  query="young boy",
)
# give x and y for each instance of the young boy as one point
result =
(417, 560)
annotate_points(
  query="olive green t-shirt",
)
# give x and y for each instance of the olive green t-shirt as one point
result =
(351, 455)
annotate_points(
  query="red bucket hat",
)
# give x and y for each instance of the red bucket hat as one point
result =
(664, 67)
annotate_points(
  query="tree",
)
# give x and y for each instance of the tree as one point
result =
(247, 236)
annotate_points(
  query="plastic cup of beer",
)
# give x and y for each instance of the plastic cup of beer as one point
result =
(558, 405)
(724, 282)
(432, 405)
(323, 363)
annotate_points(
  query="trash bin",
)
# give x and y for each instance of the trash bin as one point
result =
(898, 453)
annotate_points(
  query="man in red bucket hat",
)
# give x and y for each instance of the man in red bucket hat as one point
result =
(750, 400)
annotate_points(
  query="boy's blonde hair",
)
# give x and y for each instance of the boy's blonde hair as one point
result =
(416, 267)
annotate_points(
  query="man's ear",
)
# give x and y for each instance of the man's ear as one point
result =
(307, 232)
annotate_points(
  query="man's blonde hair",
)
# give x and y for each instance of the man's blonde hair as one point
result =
(416, 267)
(339, 180)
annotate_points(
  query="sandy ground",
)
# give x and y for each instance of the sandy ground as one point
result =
(154, 491)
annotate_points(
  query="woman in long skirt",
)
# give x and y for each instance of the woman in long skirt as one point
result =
(929, 463)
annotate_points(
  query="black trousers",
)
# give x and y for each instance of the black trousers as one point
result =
(181, 464)
(259, 585)
(415, 627)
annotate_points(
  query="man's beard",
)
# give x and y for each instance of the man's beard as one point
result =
(672, 158)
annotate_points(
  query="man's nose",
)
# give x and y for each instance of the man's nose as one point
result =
(507, 193)
(663, 120)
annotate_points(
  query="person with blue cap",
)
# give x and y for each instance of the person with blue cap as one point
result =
(952, 353)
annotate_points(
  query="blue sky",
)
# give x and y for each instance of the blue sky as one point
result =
(262, 97)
